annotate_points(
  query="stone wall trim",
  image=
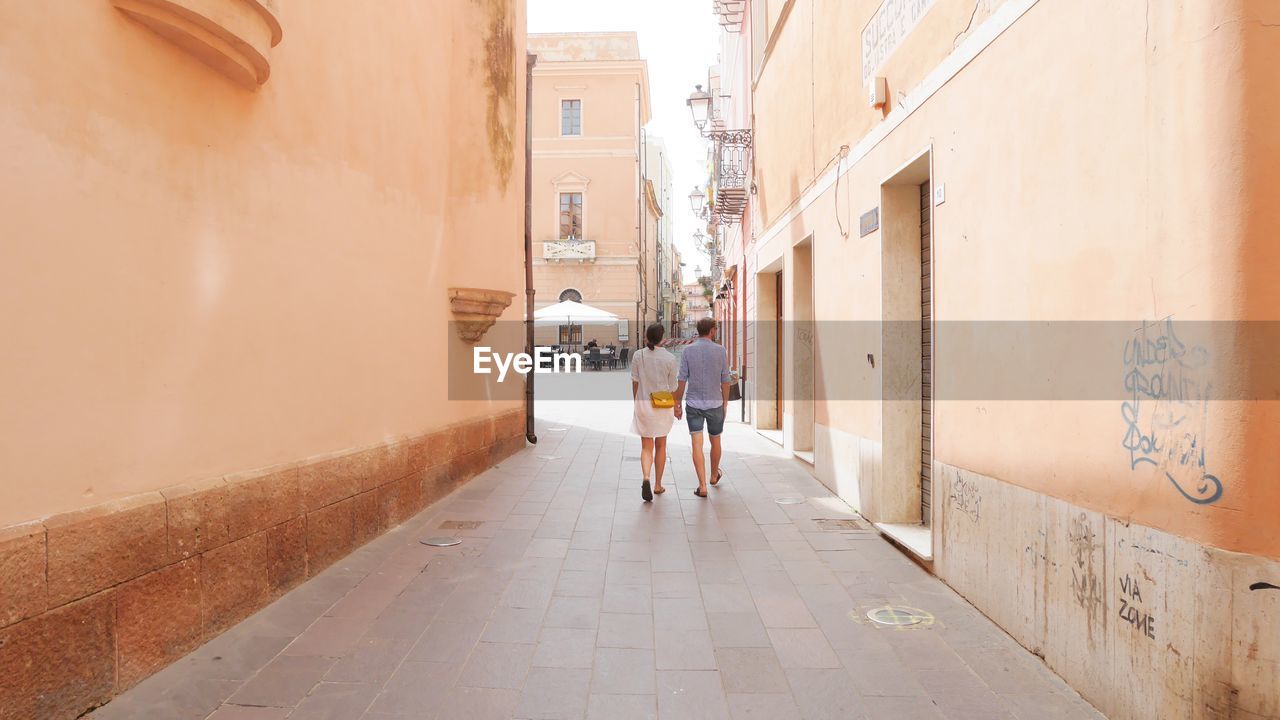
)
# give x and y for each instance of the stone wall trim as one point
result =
(144, 580)
(1146, 625)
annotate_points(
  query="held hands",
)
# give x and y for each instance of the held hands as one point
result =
(679, 411)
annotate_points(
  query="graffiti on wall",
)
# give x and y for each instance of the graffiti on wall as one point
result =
(1086, 586)
(966, 499)
(1166, 413)
(1133, 610)
(1135, 545)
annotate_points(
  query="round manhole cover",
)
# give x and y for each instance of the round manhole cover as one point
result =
(790, 500)
(548, 457)
(898, 615)
(441, 541)
(557, 429)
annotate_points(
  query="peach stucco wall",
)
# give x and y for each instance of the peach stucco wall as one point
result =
(199, 279)
(1102, 161)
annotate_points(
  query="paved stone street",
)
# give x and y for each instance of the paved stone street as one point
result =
(570, 598)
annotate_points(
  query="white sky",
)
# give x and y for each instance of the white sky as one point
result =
(679, 39)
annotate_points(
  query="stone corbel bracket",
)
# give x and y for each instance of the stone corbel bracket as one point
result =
(476, 310)
(233, 37)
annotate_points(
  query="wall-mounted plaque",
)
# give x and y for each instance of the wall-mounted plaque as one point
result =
(869, 222)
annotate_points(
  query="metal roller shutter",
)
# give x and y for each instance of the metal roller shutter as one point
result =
(926, 356)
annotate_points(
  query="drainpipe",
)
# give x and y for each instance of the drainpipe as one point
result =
(532, 60)
(639, 332)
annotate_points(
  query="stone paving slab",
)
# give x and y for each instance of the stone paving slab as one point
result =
(570, 598)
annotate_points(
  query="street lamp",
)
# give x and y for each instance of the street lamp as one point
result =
(699, 103)
(697, 201)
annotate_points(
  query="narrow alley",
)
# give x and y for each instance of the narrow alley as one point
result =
(569, 598)
(338, 340)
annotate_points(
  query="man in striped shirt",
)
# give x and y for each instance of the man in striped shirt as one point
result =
(703, 387)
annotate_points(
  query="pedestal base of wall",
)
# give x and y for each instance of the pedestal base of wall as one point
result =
(94, 601)
(1144, 624)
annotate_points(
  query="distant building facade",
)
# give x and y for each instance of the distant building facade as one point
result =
(674, 276)
(657, 169)
(697, 305)
(598, 216)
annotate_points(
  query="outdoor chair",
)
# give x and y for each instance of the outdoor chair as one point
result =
(622, 356)
(593, 358)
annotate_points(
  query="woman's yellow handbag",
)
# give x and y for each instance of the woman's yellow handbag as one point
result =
(662, 399)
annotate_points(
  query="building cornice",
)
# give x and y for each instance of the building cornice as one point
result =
(636, 70)
(585, 153)
(561, 68)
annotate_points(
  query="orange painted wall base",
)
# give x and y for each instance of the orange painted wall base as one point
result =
(94, 601)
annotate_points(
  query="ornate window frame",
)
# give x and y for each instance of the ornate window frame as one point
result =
(570, 182)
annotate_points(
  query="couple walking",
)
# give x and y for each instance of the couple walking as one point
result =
(659, 390)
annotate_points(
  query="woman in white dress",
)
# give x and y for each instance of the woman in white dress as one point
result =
(652, 371)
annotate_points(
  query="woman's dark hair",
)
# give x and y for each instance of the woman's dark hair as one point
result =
(653, 335)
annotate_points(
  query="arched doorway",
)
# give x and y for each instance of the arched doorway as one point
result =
(570, 336)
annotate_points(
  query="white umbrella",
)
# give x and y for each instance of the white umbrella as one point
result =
(572, 313)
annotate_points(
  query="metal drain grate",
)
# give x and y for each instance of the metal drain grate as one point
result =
(899, 616)
(838, 525)
(627, 458)
(461, 524)
(789, 500)
(441, 541)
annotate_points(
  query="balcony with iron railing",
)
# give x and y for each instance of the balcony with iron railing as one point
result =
(732, 176)
(569, 249)
(731, 163)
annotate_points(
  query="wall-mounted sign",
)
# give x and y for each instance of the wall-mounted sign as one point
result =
(893, 21)
(869, 222)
